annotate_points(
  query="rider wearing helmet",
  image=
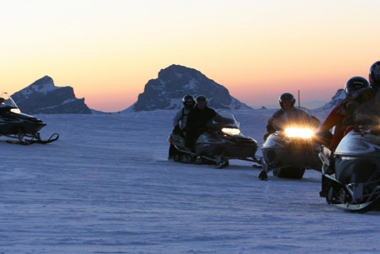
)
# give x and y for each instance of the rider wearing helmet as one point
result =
(188, 101)
(342, 116)
(339, 116)
(286, 101)
(354, 85)
(287, 114)
(180, 119)
(362, 96)
(368, 99)
(368, 94)
(197, 121)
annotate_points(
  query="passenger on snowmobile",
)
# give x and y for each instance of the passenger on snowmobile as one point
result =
(180, 119)
(366, 110)
(355, 186)
(287, 115)
(338, 115)
(363, 116)
(364, 95)
(338, 119)
(197, 121)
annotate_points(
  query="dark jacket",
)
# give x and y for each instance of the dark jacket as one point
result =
(287, 117)
(197, 124)
(282, 118)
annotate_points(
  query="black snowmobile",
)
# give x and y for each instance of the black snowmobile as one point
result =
(352, 181)
(291, 149)
(223, 141)
(16, 125)
(354, 185)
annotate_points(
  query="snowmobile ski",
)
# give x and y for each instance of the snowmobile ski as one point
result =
(360, 208)
(37, 139)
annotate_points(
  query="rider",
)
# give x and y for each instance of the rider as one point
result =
(180, 119)
(339, 115)
(347, 111)
(197, 121)
(367, 97)
(287, 113)
(370, 111)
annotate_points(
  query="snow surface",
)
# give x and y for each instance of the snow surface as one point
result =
(106, 186)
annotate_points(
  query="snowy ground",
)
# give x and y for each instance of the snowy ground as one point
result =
(106, 187)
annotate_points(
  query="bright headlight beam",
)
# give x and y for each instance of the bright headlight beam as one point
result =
(231, 131)
(298, 133)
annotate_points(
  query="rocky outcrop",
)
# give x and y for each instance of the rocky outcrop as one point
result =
(43, 97)
(174, 82)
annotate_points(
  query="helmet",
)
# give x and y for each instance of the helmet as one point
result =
(374, 75)
(286, 97)
(186, 99)
(354, 84)
(201, 98)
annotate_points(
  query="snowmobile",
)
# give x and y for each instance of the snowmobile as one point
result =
(222, 142)
(291, 149)
(354, 182)
(351, 174)
(22, 127)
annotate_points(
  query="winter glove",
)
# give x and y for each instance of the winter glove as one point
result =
(348, 107)
(177, 130)
(349, 120)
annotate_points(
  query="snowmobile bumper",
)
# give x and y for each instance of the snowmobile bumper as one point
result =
(303, 156)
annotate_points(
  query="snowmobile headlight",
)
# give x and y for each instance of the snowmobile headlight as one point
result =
(231, 131)
(16, 110)
(299, 133)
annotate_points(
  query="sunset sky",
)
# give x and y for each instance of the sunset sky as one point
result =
(107, 50)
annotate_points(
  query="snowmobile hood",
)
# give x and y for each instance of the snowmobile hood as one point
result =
(357, 143)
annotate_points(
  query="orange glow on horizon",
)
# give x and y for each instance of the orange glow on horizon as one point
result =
(108, 50)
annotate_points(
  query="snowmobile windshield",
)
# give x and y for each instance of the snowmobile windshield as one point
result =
(6, 101)
(295, 118)
(223, 119)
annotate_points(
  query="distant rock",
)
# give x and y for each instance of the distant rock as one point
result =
(335, 100)
(43, 97)
(174, 82)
